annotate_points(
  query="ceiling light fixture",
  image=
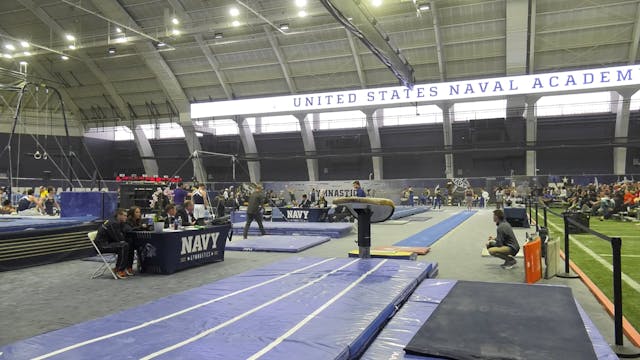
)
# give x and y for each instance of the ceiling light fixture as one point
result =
(424, 7)
(302, 13)
(175, 32)
(9, 47)
(301, 3)
(70, 37)
(235, 23)
(284, 26)
(111, 50)
(376, 3)
(161, 44)
(234, 11)
(72, 47)
(118, 30)
(24, 44)
(217, 36)
(27, 53)
(64, 57)
(122, 39)
(175, 21)
(23, 63)
(8, 56)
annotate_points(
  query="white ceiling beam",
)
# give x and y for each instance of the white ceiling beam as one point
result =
(206, 50)
(532, 35)
(635, 40)
(356, 60)
(280, 56)
(442, 63)
(156, 63)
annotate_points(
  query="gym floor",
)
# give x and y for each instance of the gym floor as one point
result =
(45, 298)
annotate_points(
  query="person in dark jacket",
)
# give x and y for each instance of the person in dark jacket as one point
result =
(185, 212)
(504, 245)
(256, 203)
(305, 202)
(111, 239)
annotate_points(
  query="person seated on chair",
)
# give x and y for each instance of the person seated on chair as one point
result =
(305, 202)
(6, 208)
(185, 212)
(170, 215)
(504, 245)
(322, 202)
(111, 239)
(29, 202)
(134, 220)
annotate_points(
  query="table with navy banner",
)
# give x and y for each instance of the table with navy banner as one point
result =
(172, 250)
(304, 214)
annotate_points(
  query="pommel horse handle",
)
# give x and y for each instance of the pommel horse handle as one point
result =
(367, 210)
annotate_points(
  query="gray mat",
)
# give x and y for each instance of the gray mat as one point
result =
(419, 218)
(480, 320)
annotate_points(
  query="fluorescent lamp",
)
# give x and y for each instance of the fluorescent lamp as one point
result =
(301, 3)
(64, 57)
(284, 26)
(234, 11)
(111, 50)
(23, 63)
(424, 7)
(8, 56)
(27, 53)
(24, 44)
(302, 13)
(175, 21)
(72, 47)
(217, 35)
(175, 32)
(70, 37)
(118, 30)
(9, 47)
(376, 3)
(235, 23)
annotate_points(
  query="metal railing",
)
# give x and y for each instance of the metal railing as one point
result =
(616, 245)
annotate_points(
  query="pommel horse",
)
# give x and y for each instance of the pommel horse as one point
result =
(367, 210)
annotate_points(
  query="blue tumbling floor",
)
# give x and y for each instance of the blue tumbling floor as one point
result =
(390, 343)
(404, 211)
(333, 230)
(276, 243)
(299, 308)
(20, 223)
(433, 233)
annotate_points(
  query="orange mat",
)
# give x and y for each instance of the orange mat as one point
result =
(417, 250)
(533, 261)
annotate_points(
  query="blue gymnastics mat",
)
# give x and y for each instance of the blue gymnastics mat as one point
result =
(404, 211)
(333, 230)
(390, 343)
(20, 223)
(299, 308)
(433, 233)
(276, 243)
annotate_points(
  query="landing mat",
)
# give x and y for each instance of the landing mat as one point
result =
(276, 243)
(387, 254)
(496, 321)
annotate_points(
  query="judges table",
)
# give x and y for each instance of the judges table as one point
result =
(172, 250)
(304, 214)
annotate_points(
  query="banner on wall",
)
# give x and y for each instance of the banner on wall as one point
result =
(559, 82)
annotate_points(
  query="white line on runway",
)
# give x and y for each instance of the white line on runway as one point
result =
(310, 317)
(602, 261)
(194, 307)
(243, 315)
(633, 256)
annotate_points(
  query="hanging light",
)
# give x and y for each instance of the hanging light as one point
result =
(37, 155)
(45, 156)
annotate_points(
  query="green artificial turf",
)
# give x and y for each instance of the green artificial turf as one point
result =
(597, 272)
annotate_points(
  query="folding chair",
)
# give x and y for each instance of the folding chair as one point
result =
(106, 265)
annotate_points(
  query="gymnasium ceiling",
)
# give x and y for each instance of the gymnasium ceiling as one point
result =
(212, 59)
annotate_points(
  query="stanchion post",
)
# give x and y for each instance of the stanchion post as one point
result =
(537, 221)
(544, 212)
(616, 244)
(529, 203)
(566, 243)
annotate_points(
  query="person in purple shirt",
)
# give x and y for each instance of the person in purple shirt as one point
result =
(179, 194)
(358, 189)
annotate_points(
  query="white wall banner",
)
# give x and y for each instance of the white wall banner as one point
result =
(560, 82)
